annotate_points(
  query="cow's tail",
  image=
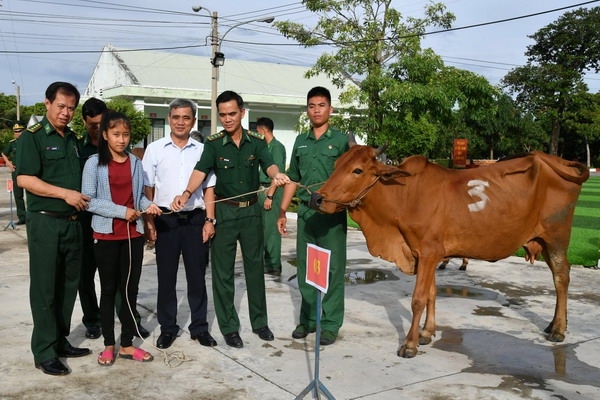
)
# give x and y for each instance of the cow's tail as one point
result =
(571, 171)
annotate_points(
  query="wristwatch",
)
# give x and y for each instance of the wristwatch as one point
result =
(269, 197)
(211, 220)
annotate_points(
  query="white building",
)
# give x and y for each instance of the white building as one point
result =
(152, 79)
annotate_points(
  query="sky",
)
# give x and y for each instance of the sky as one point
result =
(42, 41)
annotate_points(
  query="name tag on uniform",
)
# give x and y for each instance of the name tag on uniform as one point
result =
(52, 148)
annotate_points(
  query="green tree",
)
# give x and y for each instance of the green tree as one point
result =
(400, 91)
(584, 129)
(551, 83)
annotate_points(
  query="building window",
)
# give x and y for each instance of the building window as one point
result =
(157, 129)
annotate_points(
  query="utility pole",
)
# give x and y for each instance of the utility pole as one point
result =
(214, 39)
(18, 101)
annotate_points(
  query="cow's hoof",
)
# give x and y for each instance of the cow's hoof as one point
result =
(423, 340)
(405, 352)
(556, 337)
(462, 268)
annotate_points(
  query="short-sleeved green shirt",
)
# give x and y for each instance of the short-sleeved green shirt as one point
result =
(54, 159)
(86, 149)
(10, 150)
(236, 168)
(312, 160)
(277, 151)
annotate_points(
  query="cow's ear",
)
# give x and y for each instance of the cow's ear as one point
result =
(386, 172)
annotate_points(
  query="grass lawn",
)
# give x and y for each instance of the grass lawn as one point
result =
(585, 235)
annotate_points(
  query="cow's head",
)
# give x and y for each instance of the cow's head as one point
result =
(355, 173)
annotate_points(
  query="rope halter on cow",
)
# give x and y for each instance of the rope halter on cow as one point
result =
(363, 193)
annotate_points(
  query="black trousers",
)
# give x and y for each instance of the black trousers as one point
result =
(120, 268)
(180, 234)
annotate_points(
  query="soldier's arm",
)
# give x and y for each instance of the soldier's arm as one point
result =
(38, 187)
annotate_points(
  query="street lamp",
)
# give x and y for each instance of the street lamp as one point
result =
(218, 59)
(18, 101)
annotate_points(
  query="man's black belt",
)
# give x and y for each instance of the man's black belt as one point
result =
(69, 217)
(189, 213)
(240, 204)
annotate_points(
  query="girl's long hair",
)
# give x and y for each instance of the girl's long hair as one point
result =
(110, 119)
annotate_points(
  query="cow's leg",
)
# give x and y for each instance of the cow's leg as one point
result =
(465, 262)
(429, 327)
(444, 263)
(559, 265)
(420, 299)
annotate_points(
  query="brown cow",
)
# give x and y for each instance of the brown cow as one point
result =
(486, 213)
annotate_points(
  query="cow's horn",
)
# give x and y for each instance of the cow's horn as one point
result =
(380, 150)
(351, 140)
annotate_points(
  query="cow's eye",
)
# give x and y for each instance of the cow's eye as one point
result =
(357, 171)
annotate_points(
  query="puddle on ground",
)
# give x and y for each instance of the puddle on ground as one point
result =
(465, 291)
(370, 275)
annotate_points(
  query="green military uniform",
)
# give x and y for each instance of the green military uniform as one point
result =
(54, 242)
(272, 237)
(240, 219)
(87, 284)
(311, 164)
(10, 150)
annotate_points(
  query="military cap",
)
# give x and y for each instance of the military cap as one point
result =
(18, 127)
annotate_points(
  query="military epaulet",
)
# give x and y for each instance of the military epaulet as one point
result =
(35, 128)
(12, 140)
(256, 135)
(216, 136)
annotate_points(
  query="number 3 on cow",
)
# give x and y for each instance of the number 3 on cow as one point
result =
(478, 187)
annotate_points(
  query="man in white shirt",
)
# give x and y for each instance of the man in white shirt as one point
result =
(168, 164)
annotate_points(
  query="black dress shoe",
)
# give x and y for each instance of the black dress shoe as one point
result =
(72, 352)
(205, 339)
(165, 340)
(143, 331)
(233, 339)
(21, 221)
(264, 333)
(53, 366)
(93, 332)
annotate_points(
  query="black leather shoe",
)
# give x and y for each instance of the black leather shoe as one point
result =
(273, 272)
(53, 366)
(233, 339)
(205, 339)
(165, 340)
(264, 333)
(302, 331)
(143, 331)
(72, 352)
(93, 332)
(21, 221)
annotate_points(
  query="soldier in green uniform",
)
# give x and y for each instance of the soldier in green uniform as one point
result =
(48, 168)
(9, 153)
(270, 198)
(312, 162)
(91, 113)
(234, 155)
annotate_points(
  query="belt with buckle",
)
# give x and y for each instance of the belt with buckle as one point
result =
(70, 217)
(240, 204)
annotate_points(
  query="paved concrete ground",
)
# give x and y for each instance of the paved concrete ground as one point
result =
(488, 345)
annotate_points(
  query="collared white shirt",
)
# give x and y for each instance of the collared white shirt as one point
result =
(167, 168)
